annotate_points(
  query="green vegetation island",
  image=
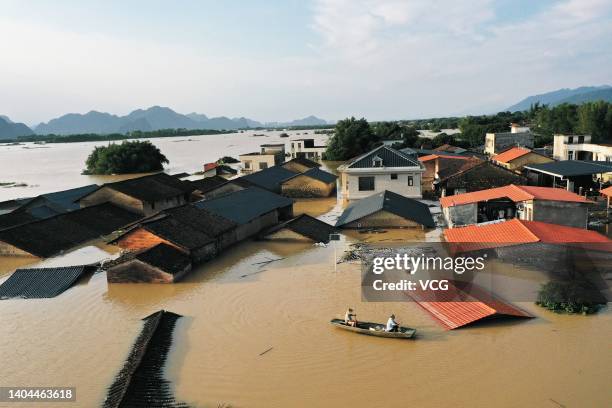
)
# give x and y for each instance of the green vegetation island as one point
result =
(127, 157)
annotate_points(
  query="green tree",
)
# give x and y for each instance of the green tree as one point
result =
(443, 138)
(351, 138)
(595, 118)
(127, 157)
(387, 130)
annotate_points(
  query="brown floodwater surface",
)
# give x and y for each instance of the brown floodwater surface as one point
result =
(237, 307)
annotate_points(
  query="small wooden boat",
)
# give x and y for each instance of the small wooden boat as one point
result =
(375, 329)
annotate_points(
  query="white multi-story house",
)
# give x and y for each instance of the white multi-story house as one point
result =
(579, 147)
(306, 148)
(383, 168)
(270, 155)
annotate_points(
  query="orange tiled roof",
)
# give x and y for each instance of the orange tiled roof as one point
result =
(511, 154)
(210, 166)
(514, 193)
(518, 231)
(607, 191)
(443, 156)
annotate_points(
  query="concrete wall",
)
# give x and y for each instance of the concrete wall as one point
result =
(205, 253)
(257, 225)
(254, 161)
(106, 194)
(222, 190)
(560, 212)
(529, 158)
(135, 271)
(382, 182)
(295, 167)
(382, 219)
(306, 187)
(461, 214)
(496, 142)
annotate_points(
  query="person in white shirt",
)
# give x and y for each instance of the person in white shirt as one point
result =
(350, 318)
(392, 325)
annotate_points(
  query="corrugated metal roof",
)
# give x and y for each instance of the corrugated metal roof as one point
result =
(41, 282)
(455, 307)
(389, 201)
(569, 168)
(514, 193)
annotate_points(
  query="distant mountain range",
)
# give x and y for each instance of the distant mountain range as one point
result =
(576, 96)
(153, 118)
(10, 129)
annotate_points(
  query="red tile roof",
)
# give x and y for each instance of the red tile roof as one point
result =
(210, 166)
(607, 191)
(437, 156)
(514, 193)
(457, 307)
(511, 154)
(517, 231)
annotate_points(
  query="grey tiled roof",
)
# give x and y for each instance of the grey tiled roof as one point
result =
(389, 201)
(41, 282)
(318, 174)
(389, 156)
(572, 167)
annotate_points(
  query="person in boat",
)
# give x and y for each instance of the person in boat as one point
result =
(350, 318)
(392, 325)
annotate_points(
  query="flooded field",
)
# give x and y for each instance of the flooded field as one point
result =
(57, 166)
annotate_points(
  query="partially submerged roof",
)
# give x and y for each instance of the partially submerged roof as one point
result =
(151, 188)
(514, 193)
(13, 219)
(245, 205)
(201, 219)
(388, 201)
(463, 304)
(62, 201)
(510, 154)
(270, 178)
(50, 236)
(182, 235)
(166, 258)
(390, 158)
(570, 168)
(306, 226)
(41, 282)
(207, 184)
(304, 162)
(517, 231)
(317, 174)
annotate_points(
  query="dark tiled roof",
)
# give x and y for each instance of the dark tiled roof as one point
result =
(394, 203)
(180, 175)
(202, 220)
(241, 182)
(178, 233)
(61, 201)
(390, 158)
(41, 282)
(166, 258)
(317, 174)
(208, 183)
(50, 236)
(225, 169)
(304, 162)
(450, 167)
(152, 188)
(307, 226)
(572, 167)
(245, 205)
(10, 205)
(15, 218)
(270, 178)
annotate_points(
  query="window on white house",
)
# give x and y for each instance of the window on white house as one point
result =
(263, 165)
(377, 162)
(247, 165)
(410, 181)
(393, 176)
(366, 183)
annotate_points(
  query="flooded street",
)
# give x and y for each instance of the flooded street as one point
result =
(235, 308)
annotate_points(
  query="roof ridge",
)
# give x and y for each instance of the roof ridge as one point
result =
(527, 229)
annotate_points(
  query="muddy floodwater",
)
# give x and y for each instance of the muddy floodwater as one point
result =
(235, 308)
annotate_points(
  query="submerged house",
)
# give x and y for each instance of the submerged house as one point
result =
(160, 264)
(516, 158)
(474, 175)
(302, 228)
(386, 210)
(382, 169)
(216, 186)
(197, 233)
(45, 206)
(143, 195)
(311, 183)
(252, 209)
(300, 165)
(51, 236)
(270, 179)
(270, 155)
(436, 164)
(546, 204)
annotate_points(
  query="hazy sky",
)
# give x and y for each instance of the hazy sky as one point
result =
(280, 60)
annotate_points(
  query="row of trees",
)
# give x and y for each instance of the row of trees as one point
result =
(355, 136)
